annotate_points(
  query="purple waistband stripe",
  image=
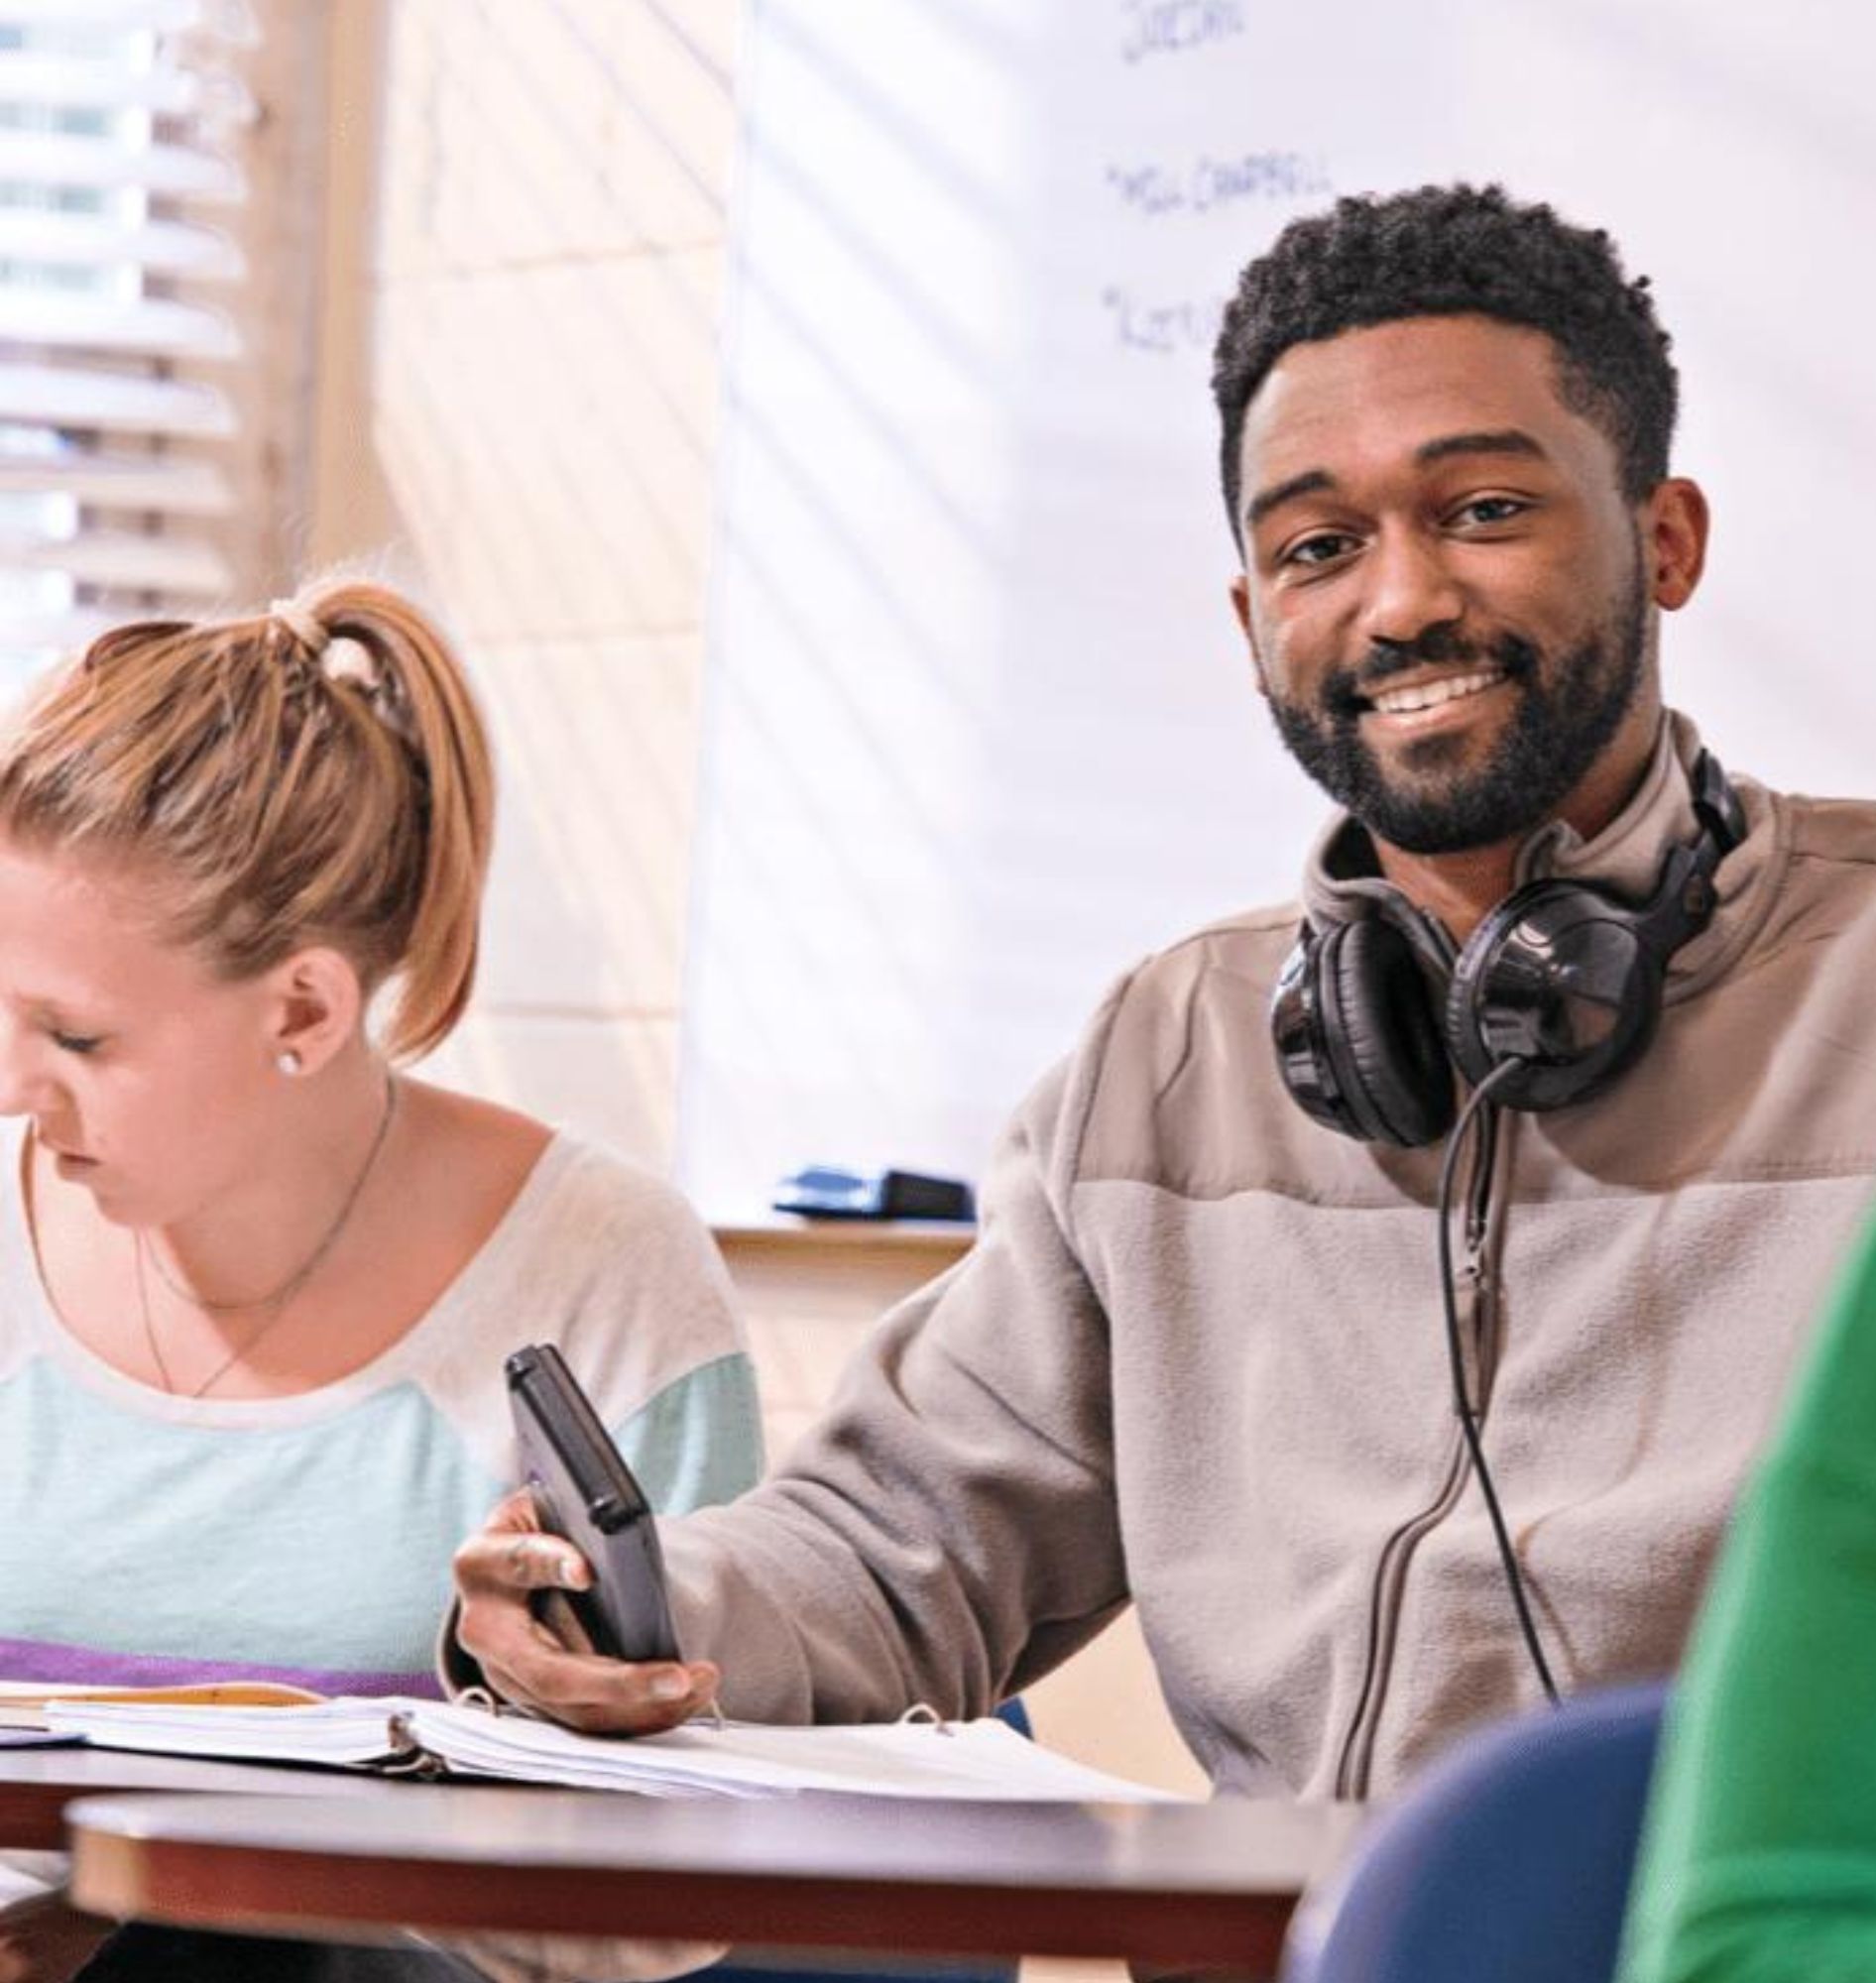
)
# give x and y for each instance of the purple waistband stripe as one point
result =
(85, 1665)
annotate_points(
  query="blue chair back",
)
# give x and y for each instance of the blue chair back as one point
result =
(1510, 1858)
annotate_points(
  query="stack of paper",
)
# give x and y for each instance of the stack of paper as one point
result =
(908, 1759)
(919, 1759)
(358, 1733)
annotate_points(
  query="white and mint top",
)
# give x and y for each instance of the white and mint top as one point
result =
(147, 1539)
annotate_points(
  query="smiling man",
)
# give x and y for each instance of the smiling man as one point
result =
(1203, 1356)
(1456, 526)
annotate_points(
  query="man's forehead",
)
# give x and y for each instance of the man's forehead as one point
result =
(1470, 444)
(1411, 393)
(1403, 384)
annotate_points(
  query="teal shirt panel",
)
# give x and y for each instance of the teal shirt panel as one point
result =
(322, 1548)
(699, 1442)
(317, 1550)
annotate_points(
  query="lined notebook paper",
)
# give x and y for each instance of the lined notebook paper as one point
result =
(983, 1759)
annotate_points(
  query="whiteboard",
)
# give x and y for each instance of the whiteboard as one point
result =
(979, 727)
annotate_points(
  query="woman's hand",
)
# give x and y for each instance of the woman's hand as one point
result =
(498, 1570)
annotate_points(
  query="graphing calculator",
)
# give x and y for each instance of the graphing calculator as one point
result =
(584, 1490)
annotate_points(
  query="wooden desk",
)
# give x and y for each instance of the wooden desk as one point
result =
(36, 1786)
(1174, 1884)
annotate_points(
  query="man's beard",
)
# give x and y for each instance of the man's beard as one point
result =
(1564, 721)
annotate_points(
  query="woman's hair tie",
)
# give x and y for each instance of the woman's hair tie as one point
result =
(306, 628)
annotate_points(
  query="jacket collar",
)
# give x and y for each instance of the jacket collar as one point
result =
(1342, 881)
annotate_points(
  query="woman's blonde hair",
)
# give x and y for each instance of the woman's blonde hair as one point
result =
(316, 774)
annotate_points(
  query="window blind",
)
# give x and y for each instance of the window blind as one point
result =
(122, 193)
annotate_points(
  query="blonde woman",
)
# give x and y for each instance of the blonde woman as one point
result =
(256, 1284)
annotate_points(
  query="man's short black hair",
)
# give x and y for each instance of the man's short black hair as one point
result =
(1448, 251)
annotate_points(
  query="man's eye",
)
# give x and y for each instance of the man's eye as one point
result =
(1321, 548)
(78, 1043)
(1491, 509)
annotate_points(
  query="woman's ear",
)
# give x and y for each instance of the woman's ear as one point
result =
(317, 1006)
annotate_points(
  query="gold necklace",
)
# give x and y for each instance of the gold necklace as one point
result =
(271, 1305)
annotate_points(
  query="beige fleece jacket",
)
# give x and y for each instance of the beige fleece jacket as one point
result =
(1196, 1357)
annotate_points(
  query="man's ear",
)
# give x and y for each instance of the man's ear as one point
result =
(317, 1007)
(1674, 524)
(1241, 605)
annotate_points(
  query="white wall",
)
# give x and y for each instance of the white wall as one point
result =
(518, 363)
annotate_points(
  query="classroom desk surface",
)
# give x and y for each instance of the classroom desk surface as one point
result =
(1173, 1883)
(36, 1786)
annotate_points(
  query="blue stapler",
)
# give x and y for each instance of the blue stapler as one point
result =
(823, 1192)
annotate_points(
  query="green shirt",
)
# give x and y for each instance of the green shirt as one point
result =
(1759, 1858)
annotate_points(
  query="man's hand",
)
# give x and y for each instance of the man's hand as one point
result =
(496, 1571)
(43, 1940)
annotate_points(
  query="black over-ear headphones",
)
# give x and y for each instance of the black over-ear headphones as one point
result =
(1564, 976)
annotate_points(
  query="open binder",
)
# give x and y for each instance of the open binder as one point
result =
(981, 1758)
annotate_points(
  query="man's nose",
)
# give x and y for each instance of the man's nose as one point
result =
(1411, 589)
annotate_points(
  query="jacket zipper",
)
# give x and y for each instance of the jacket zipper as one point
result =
(1478, 1312)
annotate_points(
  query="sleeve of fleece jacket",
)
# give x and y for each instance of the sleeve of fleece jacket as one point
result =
(1759, 1859)
(948, 1531)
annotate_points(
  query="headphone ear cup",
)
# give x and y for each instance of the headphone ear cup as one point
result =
(1382, 1036)
(1563, 976)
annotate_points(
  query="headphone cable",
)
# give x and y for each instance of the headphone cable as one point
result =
(1476, 1102)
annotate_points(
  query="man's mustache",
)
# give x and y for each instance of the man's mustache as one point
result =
(1346, 692)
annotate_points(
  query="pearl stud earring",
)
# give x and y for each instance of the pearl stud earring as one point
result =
(289, 1062)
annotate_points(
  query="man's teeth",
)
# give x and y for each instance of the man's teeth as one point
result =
(1429, 695)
